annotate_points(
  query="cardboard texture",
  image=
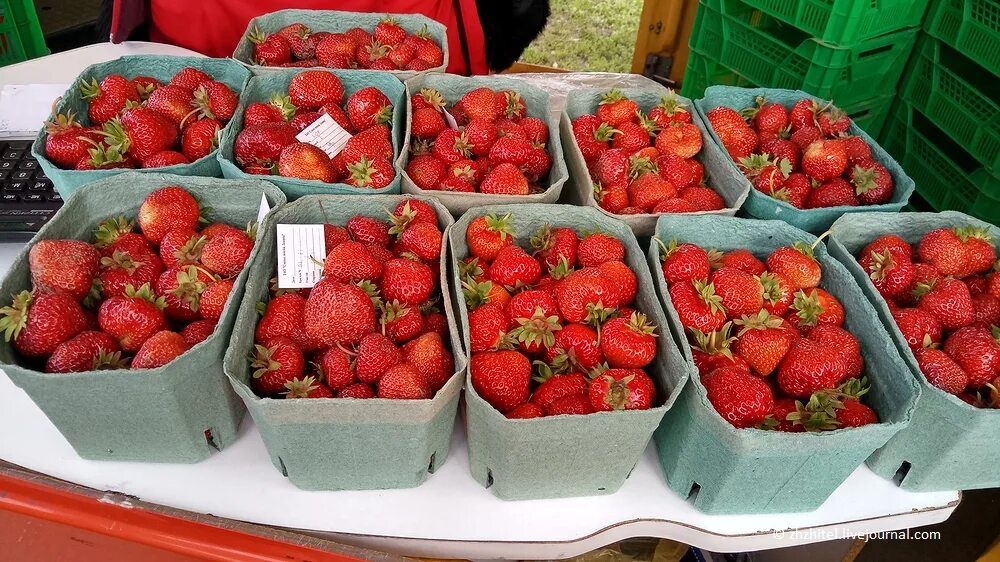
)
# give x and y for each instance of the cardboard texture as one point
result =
(342, 443)
(761, 206)
(949, 444)
(453, 87)
(718, 173)
(731, 470)
(260, 89)
(152, 415)
(334, 22)
(161, 67)
(565, 456)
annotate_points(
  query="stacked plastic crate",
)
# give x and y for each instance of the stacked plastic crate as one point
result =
(849, 51)
(945, 127)
(20, 33)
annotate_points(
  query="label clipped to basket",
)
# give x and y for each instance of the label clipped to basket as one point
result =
(325, 134)
(301, 249)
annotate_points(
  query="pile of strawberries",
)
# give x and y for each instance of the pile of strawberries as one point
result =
(142, 122)
(768, 342)
(803, 156)
(644, 163)
(267, 143)
(128, 299)
(387, 47)
(944, 294)
(497, 148)
(563, 314)
(370, 327)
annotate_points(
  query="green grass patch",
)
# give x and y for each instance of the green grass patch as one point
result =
(594, 35)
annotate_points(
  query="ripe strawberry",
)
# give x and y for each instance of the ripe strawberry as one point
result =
(740, 292)
(502, 378)
(368, 230)
(338, 313)
(698, 306)
(824, 159)
(488, 234)
(505, 179)
(778, 293)
(844, 343)
(181, 288)
(312, 89)
(431, 359)
(511, 150)
(376, 354)
(553, 244)
(615, 109)
(174, 103)
(487, 326)
(592, 136)
(305, 161)
(181, 246)
(107, 99)
(140, 132)
(537, 165)
(584, 294)
(943, 249)
(483, 103)
(198, 331)
(226, 253)
(805, 136)
(165, 209)
(513, 268)
(628, 343)
(426, 171)
(803, 114)
(213, 299)
(740, 398)
(37, 323)
(919, 328)
(597, 248)
(703, 198)
(712, 350)
(737, 137)
(622, 389)
(987, 310)
(781, 419)
(763, 342)
(622, 279)
(66, 141)
(403, 382)
(780, 148)
(335, 369)
(767, 176)
(428, 53)
(307, 387)
(407, 281)
(949, 301)
(68, 265)
(611, 199)
(833, 122)
(87, 351)
(649, 190)
(797, 264)
(262, 144)
(979, 249)
(683, 262)
(853, 413)
(810, 366)
(557, 386)
(334, 46)
(975, 350)
(890, 277)
(134, 317)
(122, 268)
(421, 239)
(350, 261)
(941, 370)
(161, 348)
(269, 49)
(896, 246)
(401, 322)
(571, 405)
(857, 149)
(577, 346)
(368, 107)
(257, 113)
(836, 192)
(813, 307)
(682, 139)
(768, 118)
(872, 182)
(426, 123)
(357, 391)
(274, 363)
(376, 173)
(676, 170)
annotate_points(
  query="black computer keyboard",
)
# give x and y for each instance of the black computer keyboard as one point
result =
(27, 197)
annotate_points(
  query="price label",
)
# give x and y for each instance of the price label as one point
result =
(325, 134)
(301, 250)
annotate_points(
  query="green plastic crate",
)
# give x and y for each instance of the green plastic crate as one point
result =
(946, 176)
(773, 54)
(971, 26)
(953, 92)
(845, 22)
(21, 35)
(702, 72)
(949, 444)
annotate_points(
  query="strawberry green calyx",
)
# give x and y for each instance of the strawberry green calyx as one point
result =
(807, 308)
(671, 103)
(668, 249)
(637, 323)
(882, 264)
(500, 225)
(391, 312)
(61, 122)
(108, 361)
(543, 371)
(462, 145)
(109, 230)
(639, 165)
(611, 96)
(101, 156)
(647, 123)
(539, 330)
(376, 50)
(922, 288)
(284, 104)
(715, 258)
(362, 172)
(470, 269)
(818, 414)
(89, 89)
(512, 104)
(476, 293)
(261, 308)
(713, 343)
(706, 291)
(748, 113)
(597, 315)
(300, 388)
(190, 251)
(421, 146)
(14, 318)
(966, 232)
(561, 269)
(854, 387)
(189, 287)
(863, 179)
(772, 287)
(763, 320)
(122, 260)
(384, 115)
(145, 292)
(401, 220)
(604, 132)
(371, 290)
(257, 35)
(93, 299)
(116, 137)
(261, 362)
(432, 96)
(541, 239)
(618, 391)
(424, 33)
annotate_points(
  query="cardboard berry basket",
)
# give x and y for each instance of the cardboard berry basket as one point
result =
(337, 22)
(344, 443)
(565, 455)
(731, 470)
(260, 89)
(949, 444)
(180, 412)
(162, 68)
(453, 87)
(761, 206)
(718, 174)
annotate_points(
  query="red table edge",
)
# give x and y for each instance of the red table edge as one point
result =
(204, 536)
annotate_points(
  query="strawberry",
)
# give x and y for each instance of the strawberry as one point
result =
(403, 382)
(740, 398)
(853, 413)
(872, 182)
(181, 288)
(979, 249)
(768, 118)
(161, 348)
(181, 246)
(502, 378)
(844, 343)
(782, 149)
(312, 89)
(66, 142)
(766, 175)
(833, 122)
(712, 350)
(368, 230)
(376, 354)
(941, 370)
(407, 281)
(986, 310)
(628, 343)
(334, 46)
(597, 248)
(949, 301)
(511, 150)
(778, 293)
(107, 99)
(762, 342)
(145, 85)
(38, 322)
(557, 386)
(173, 102)
(890, 277)
(338, 313)
(214, 298)
(351, 261)
(87, 351)
(736, 136)
(305, 161)
(576, 345)
(803, 114)
(615, 109)
(796, 264)
(140, 132)
(682, 139)
(505, 179)
(697, 305)
(226, 253)
(122, 268)
(482, 103)
(376, 173)
(134, 317)
(784, 416)
(431, 359)
(307, 387)
(592, 136)
(163, 159)
(943, 249)
(402, 322)
(269, 49)
(740, 292)
(669, 110)
(813, 307)
(703, 198)
(487, 327)
(262, 144)
(836, 192)
(426, 171)
(553, 244)
(611, 199)
(356, 390)
(740, 259)
(68, 265)
(683, 262)
(810, 366)
(896, 246)
(857, 149)
(975, 350)
(275, 363)
(279, 109)
(538, 164)
(426, 123)
(648, 190)
(622, 279)
(165, 209)
(488, 234)
(824, 159)
(198, 331)
(335, 369)
(622, 389)
(805, 136)
(583, 294)
(571, 405)
(428, 52)
(514, 268)
(368, 107)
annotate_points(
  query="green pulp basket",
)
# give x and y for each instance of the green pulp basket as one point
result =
(774, 54)
(952, 91)
(946, 175)
(20, 33)
(971, 26)
(845, 22)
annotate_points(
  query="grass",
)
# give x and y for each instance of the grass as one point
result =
(594, 35)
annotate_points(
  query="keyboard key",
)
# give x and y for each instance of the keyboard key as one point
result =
(4, 175)
(21, 175)
(40, 175)
(34, 197)
(55, 197)
(8, 164)
(9, 198)
(12, 154)
(18, 145)
(14, 186)
(28, 164)
(40, 186)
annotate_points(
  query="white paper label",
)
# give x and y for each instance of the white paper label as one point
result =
(325, 134)
(265, 208)
(301, 251)
(450, 120)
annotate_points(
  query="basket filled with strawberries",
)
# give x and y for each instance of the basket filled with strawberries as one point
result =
(403, 44)
(363, 357)
(159, 113)
(480, 141)
(798, 382)
(269, 136)
(933, 281)
(807, 162)
(640, 152)
(120, 309)
(566, 341)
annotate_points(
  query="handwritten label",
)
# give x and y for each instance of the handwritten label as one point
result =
(301, 250)
(325, 134)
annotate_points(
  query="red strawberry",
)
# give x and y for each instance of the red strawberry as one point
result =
(376, 173)
(836, 192)
(68, 265)
(854, 414)
(356, 390)
(66, 142)
(368, 230)
(307, 387)
(269, 50)
(741, 293)
(584, 295)
(262, 144)
(402, 322)
(649, 190)
(975, 350)
(592, 136)
(87, 351)
(833, 122)
(803, 114)
(174, 103)
(181, 288)
(763, 342)
(824, 159)
(950, 302)
(778, 293)
(163, 159)
(38, 322)
(514, 268)
(872, 182)
(943, 249)
(683, 262)
(797, 264)
(740, 398)
(198, 331)
(161, 348)
(181, 246)
(275, 363)
(426, 123)
(553, 244)
(305, 161)
(487, 235)
(376, 354)
(403, 382)
(987, 310)
(682, 139)
(622, 389)
(334, 46)
(107, 99)
(335, 369)
(426, 171)
(487, 326)
(844, 343)
(628, 343)
(979, 249)
(132, 318)
(502, 378)
(782, 418)
(919, 328)
(737, 137)
(407, 281)
(703, 198)
(571, 405)
(483, 103)
(576, 345)
(351, 261)
(368, 107)
(740, 259)
(890, 277)
(698, 306)
(941, 370)
(810, 366)
(429, 356)
(312, 89)
(214, 298)
(140, 132)
(505, 179)
(226, 253)
(616, 109)
(122, 268)
(805, 136)
(896, 246)
(622, 279)
(428, 52)
(556, 387)
(812, 307)
(338, 313)
(165, 209)
(595, 249)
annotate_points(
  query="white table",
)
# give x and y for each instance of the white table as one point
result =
(450, 516)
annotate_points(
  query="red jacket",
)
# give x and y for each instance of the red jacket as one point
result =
(213, 27)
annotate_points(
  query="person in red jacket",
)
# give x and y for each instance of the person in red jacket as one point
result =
(483, 35)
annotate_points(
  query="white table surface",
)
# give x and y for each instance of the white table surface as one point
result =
(450, 516)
